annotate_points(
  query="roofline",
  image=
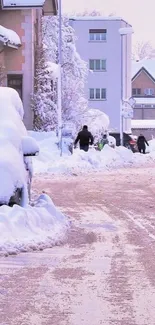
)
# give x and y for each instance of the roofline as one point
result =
(139, 71)
(99, 19)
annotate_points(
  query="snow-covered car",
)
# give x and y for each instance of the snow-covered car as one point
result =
(16, 150)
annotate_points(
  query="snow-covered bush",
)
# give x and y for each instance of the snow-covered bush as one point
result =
(97, 121)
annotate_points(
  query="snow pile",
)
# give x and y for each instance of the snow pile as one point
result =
(151, 147)
(32, 228)
(9, 97)
(49, 160)
(12, 171)
(29, 146)
(111, 141)
(8, 35)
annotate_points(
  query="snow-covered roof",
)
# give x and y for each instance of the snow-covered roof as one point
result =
(98, 18)
(145, 100)
(147, 64)
(9, 37)
(143, 124)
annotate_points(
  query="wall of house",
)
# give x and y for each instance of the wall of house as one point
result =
(13, 58)
(21, 61)
(111, 78)
(28, 65)
(148, 133)
(144, 114)
(48, 8)
(143, 81)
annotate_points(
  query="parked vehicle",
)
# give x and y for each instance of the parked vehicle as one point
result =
(16, 151)
(129, 140)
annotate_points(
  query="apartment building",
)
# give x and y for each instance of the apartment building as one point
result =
(20, 33)
(108, 55)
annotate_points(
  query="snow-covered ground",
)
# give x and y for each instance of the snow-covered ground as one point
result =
(31, 228)
(41, 226)
(49, 160)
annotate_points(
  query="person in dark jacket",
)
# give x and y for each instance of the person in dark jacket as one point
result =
(85, 138)
(141, 141)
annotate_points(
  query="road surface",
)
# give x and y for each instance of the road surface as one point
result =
(104, 273)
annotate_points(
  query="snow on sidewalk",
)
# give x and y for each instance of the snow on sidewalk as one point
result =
(49, 160)
(31, 228)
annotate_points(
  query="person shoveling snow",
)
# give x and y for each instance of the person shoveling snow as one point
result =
(85, 138)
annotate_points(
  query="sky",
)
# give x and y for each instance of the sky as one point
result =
(140, 14)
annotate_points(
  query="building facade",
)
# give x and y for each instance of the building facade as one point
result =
(19, 35)
(143, 91)
(108, 55)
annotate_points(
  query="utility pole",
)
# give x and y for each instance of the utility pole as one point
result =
(60, 78)
(121, 102)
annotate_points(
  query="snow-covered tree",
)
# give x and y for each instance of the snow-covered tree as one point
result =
(74, 69)
(91, 13)
(43, 101)
(143, 50)
(2, 74)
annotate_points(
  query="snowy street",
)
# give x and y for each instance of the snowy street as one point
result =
(104, 272)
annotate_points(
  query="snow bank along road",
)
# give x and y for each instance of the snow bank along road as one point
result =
(105, 272)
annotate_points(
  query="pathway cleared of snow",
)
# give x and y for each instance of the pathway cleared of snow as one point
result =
(105, 271)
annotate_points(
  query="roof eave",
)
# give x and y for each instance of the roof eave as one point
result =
(139, 71)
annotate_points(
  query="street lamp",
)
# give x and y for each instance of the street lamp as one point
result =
(60, 78)
(123, 31)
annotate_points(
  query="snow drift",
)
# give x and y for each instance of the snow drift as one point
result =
(10, 97)
(31, 228)
(49, 160)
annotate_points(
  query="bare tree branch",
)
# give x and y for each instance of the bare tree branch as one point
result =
(143, 50)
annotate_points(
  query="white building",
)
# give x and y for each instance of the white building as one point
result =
(109, 57)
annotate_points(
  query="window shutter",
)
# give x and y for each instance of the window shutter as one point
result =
(91, 64)
(91, 93)
(103, 93)
(103, 64)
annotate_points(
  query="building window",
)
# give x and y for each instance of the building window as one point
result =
(136, 91)
(149, 91)
(97, 94)
(97, 35)
(15, 82)
(97, 65)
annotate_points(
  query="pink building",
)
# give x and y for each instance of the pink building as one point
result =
(19, 36)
